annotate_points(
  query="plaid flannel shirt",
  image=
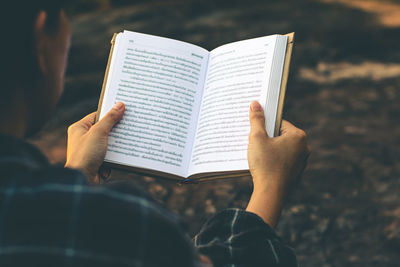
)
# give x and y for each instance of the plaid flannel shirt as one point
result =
(50, 216)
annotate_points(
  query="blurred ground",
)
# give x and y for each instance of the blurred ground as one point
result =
(343, 90)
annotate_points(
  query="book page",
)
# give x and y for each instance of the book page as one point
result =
(238, 73)
(160, 80)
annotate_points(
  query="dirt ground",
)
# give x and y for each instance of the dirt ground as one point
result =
(343, 91)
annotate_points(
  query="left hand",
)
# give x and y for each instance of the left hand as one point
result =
(87, 142)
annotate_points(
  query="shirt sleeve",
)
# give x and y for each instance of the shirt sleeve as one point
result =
(238, 238)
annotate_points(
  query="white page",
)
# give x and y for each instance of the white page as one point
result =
(160, 80)
(237, 74)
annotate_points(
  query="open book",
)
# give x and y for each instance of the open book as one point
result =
(187, 108)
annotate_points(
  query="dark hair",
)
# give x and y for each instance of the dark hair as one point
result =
(17, 47)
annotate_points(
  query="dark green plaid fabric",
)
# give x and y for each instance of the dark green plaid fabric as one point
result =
(49, 216)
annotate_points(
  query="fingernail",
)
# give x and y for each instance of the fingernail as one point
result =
(119, 105)
(255, 106)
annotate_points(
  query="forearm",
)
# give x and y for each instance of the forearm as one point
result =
(267, 201)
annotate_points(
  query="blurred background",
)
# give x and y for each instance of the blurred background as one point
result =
(343, 91)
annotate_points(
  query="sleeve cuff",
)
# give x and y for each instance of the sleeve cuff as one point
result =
(235, 236)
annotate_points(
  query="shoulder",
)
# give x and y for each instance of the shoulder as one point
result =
(53, 206)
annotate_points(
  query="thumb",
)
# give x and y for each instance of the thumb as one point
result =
(257, 118)
(111, 118)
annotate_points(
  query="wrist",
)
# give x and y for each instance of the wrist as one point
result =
(72, 165)
(269, 183)
(266, 204)
(270, 194)
(91, 177)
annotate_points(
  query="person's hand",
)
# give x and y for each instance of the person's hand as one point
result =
(278, 160)
(275, 164)
(87, 142)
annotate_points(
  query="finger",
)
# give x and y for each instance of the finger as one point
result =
(88, 120)
(287, 127)
(304, 165)
(111, 118)
(104, 172)
(257, 119)
(83, 125)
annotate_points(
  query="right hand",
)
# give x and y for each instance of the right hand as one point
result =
(275, 163)
(279, 160)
